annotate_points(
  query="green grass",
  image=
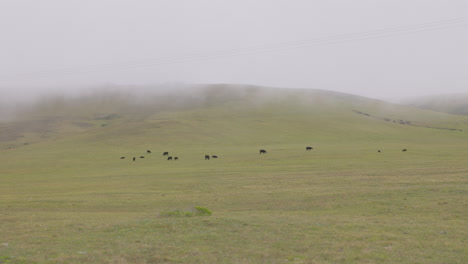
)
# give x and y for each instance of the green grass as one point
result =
(70, 199)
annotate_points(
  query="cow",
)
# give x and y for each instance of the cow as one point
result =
(176, 158)
(122, 157)
(309, 148)
(214, 156)
(134, 158)
(379, 151)
(142, 157)
(169, 158)
(404, 150)
(207, 157)
(148, 152)
(262, 151)
(166, 153)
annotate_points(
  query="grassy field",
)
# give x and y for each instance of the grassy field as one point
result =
(67, 197)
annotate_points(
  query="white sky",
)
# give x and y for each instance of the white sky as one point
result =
(375, 48)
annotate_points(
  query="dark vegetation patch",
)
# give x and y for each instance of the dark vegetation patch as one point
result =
(195, 211)
(361, 113)
(156, 124)
(15, 130)
(403, 122)
(445, 128)
(106, 117)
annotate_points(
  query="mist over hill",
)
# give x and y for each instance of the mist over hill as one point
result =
(214, 113)
(143, 100)
(447, 103)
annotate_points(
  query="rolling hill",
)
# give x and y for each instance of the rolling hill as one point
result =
(215, 114)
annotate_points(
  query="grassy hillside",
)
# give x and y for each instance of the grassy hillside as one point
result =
(67, 197)
(220, 113)
(450, 103)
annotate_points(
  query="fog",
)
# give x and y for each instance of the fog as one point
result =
(382, 49)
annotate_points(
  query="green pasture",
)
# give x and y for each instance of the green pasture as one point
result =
(69, 198)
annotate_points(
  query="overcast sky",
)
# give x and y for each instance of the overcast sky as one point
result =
(375, 48)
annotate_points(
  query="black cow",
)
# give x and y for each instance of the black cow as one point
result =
(176, 158)
(214, 156)
(148, 152)
(134, 158)
(122, 157)
(309, 148)
(207, 157)
(404, 150)
(142, 157)
(169, 158)
(379, 151)
(166, 153)
(262, 151)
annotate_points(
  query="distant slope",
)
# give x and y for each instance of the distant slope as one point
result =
(223, 114)
(449, 103)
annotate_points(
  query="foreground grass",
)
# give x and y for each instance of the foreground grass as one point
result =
(337, 204)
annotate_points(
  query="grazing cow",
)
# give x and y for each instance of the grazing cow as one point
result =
(134, 158)
(122, 157)
(404, 150)
(169, 158)
(176, 158)
(166, 153)
(214, 156)
(207, 157)
(148, 152)
(309, 148)
(262, 151)
(142, 157)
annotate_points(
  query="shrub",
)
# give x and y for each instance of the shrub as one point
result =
(202, 211)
